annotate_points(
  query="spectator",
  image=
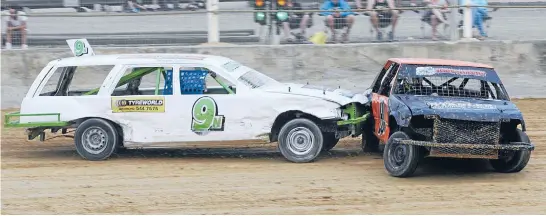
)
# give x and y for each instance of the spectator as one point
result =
(164, 4)
(135, 6)
(16, 23)
(435, 15)
(479, 14)
(336, 19)
(295, 20)
(391, 14)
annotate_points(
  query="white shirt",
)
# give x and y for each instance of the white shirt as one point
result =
(21, 16)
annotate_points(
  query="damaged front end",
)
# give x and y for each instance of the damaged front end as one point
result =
(455, 138)
(354, 115)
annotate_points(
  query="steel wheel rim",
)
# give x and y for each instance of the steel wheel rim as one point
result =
(397, 155)
(94, 140)
(300, 140)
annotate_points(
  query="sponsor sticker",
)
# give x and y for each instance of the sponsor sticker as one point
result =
(141, 104)
(459, 105)
(428, 71)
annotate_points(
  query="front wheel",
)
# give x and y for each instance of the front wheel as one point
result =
(300, 140)
(514, 161)
(400, 160)
(96, 139)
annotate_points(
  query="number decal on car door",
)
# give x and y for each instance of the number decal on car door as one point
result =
(380, 110)
(382, 118)
(205, 116)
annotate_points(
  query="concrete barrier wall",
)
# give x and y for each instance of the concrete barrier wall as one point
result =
(521, 65)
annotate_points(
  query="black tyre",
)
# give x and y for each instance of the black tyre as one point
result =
(515, 160)
(369, 142)
(300, 140)
(329, 141)
(96, 139)
(400, 160)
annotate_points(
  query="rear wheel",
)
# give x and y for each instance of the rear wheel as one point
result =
(400, 160)
(514, 161)
(96, 139)
(330, 141)
(300, 140)
(370, 143)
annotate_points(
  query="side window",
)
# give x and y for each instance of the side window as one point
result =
(145, 81)
(200, 80)
(76, 80)
(52, 85)
(379, 78)
(387, 82)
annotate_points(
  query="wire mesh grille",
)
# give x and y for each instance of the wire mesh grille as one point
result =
(466, 132)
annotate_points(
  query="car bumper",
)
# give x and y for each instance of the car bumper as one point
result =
(456, 150)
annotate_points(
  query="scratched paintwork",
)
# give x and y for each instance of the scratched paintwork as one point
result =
(463, 127)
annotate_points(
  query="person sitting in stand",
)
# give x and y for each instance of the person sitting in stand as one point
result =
(16, 23)
(435, 15)
(295, 20)
(391, 14)
(135, 6)
(335, 19)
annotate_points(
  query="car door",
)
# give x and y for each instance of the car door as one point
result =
(141, 100)
(380, 101)
(206, 110)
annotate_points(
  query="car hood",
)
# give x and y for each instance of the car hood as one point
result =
(461, 108)
(340, 96)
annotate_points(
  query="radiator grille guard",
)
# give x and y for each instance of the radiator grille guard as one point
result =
(466, 139)
(465, 132)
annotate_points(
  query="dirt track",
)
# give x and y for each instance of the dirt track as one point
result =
(50, 178)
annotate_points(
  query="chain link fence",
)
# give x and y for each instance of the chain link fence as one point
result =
(175, 22)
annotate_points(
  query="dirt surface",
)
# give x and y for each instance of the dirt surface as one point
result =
(50, 178)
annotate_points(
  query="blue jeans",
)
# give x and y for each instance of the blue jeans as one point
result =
(478, 15)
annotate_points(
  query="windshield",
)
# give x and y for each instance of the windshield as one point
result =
(249, 76)
(449, 81)
(255, 79)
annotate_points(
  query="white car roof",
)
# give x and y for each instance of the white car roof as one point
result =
(148, 58)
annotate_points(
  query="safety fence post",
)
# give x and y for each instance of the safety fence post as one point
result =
(467, 20)
(454, 30)
(212, 16)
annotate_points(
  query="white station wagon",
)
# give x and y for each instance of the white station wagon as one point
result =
(119, 101)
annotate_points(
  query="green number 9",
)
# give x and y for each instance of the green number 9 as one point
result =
(79, 48)
(204, 111)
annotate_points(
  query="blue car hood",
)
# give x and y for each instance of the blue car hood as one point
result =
(461, 108)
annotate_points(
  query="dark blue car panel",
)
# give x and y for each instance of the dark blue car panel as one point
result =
(460, 108)
(400, 111)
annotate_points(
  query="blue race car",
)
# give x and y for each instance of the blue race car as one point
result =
(443, 108)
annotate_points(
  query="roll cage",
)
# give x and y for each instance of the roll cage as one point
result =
(414, 86)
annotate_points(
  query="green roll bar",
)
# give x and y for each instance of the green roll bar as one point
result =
(224, 86)
(127, 78)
